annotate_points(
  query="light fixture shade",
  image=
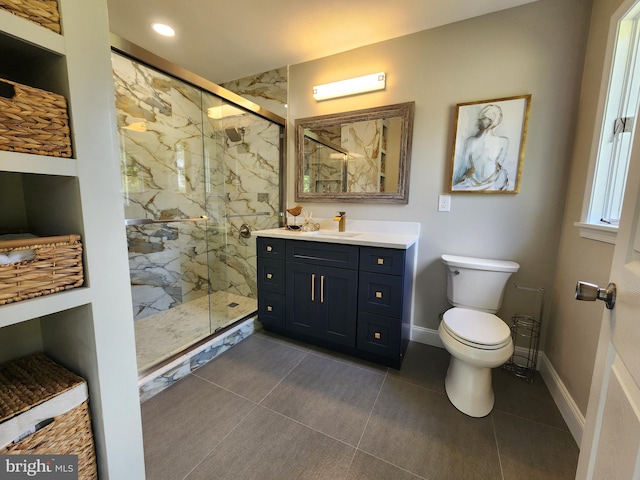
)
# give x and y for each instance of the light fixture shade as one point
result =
(352, 86)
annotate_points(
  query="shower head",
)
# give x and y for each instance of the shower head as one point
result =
(233, 134)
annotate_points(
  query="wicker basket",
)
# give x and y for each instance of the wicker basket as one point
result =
(57, 266)
(42, 12)
(33, 381)
(33, 120)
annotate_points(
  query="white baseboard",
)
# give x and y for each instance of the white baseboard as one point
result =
(428, 336)
(568, 408)
(565, 403)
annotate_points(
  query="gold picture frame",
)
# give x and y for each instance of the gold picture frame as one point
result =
(489, 144)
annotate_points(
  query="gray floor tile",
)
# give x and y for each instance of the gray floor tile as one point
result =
(268, 446)
(182, 424)
(532, 451)
(253, 367)
(529, 400)
(424, 365)
(420, 431)
(367, 467)
(351, 360)
(292, 342)
(317, 407)
(331, 396)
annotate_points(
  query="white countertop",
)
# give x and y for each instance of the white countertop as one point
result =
(401, 240)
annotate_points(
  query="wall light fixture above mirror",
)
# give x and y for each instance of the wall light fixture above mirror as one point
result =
(357, 156)
(352, 86)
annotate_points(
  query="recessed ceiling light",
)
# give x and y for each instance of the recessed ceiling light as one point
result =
(163, 29)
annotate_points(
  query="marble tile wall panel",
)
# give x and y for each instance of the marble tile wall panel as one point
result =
(195, 359)
(174, 165)
(268, 89)
(249, 193)
(364, 140)
(160, 131)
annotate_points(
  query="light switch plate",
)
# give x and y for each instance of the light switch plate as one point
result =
(444, 203)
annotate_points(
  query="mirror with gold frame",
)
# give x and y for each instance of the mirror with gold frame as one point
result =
(357, 156)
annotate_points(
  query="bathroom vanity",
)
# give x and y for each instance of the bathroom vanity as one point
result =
(347, 291)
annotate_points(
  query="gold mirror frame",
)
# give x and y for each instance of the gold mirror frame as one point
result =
(404, 111)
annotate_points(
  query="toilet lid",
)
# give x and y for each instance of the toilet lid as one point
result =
(479, 328)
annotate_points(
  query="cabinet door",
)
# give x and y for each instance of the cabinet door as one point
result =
(338, 305)
(381, 294)
(271, 275)
(379, 334)
(303, 283)
(271, 308)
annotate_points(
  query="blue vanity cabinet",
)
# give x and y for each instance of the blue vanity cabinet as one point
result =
(271, 281)
(351, 298)
(322, 291)
(384, 302)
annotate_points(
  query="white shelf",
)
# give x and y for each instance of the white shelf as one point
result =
(87, 329)
(29, 163)
(31, 32)
(13, 313)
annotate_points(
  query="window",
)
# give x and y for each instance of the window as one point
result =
(604, 203)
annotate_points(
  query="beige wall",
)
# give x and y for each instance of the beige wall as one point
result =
(537, 49)
(573, 335)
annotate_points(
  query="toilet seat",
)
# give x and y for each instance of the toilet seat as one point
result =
(476, 329)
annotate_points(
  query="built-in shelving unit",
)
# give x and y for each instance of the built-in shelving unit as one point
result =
(88, 329)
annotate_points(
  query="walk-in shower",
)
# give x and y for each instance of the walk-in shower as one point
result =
(198, 171)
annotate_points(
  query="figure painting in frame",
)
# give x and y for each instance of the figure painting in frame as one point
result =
(489, 145)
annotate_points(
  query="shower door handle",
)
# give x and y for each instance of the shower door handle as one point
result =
(146, 221)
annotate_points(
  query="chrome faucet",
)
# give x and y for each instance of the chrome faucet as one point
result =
(342, 219)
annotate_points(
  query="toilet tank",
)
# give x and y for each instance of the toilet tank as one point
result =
(477, 283)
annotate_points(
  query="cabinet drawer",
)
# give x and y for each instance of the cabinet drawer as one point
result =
(271, 308)
(378, 334)
(382, 260)
(325, 254)
(270, 247)
(271, 275)
(381, 294)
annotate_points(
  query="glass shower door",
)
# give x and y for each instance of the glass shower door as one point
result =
(163, 181)
(198, 175)
(242, 165)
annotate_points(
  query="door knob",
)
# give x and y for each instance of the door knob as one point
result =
(591, 292)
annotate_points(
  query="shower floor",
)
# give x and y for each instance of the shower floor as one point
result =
(167, 333)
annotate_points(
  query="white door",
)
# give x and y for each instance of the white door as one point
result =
(611, 441)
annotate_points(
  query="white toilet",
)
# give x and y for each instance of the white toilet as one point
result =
(477, 339)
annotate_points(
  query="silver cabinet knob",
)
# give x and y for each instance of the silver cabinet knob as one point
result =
(590, 292)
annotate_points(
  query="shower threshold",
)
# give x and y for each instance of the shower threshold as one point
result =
(164, 335)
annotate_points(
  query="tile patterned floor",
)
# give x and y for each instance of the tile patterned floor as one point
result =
(273, 408)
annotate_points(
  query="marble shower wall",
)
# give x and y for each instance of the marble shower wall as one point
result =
(268, 89)
(364, 140)
(178, 162)
(244, 185)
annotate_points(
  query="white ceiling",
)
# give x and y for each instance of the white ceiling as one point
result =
(225, 40)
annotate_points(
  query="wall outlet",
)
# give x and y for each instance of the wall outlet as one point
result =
(444, 203)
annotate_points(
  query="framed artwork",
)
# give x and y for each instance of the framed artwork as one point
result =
(488, 148)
